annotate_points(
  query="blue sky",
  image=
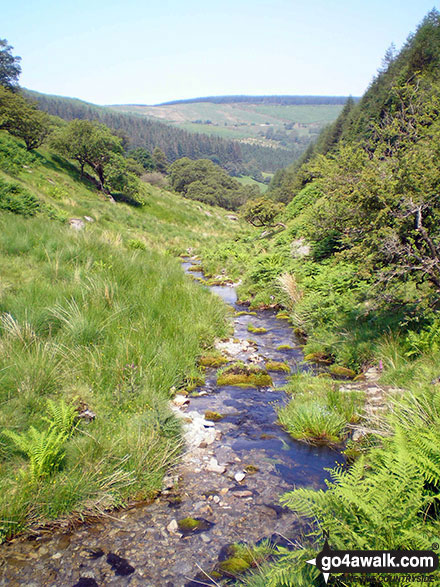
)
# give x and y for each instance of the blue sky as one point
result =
(114, 52)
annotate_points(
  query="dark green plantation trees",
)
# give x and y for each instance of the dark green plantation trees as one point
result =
(160, 160)
(9, 66)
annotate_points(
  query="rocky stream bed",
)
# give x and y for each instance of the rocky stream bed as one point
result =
(230, 480)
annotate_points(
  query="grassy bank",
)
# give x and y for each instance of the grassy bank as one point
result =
(96, 327)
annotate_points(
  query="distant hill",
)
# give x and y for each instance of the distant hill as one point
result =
(287, 122)
(283, 100)
(235, 157)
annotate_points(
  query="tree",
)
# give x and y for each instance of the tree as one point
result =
(143, 157)
(9, 67)
(205, 181)
(119, 178)
(262, 211)
(21, 118)
(160, 160)
(89, 143)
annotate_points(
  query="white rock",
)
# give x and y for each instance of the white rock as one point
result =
(76, 224)
(180, 400)
(214, 467)
(172, 527)
(239, 476)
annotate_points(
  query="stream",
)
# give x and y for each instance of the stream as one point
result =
(232, 482)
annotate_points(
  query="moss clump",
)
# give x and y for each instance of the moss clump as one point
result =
(282, 315)
(193, 525)
(277, 366)
(251, 469)
(240, 557)
(255, 329)
(339, 371)
(233, 566)
(195, 268)
(244, 313)
(360, 377)
(212, 361)
(213, 416)
(244, 375)
(223, 281)
(285, 347)
(318, 357)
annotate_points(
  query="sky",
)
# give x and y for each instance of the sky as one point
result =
(144, 52)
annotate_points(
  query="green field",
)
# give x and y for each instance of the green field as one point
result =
(247, 180)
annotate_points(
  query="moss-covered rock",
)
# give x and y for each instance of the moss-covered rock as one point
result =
(318, 357)
(244, 313)
(233, 566)
(244, 375)
(213, 416)
(195, 268)
(277, 366)
(285, 347)
(255, 329)
(283, 315)
(360, 377)
(251, 469)
(193, 525)
(344, 372)
(212, 360)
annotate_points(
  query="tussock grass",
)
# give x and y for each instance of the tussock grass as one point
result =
(89, 319)
(319, 412)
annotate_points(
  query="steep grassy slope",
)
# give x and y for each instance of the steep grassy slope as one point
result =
(98, 320)
(356, 265)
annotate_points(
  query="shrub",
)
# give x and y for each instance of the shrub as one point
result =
(15, 198)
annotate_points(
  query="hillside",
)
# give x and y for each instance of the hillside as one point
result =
(353, 260)
(289, 122)
(99, 320)
(146, 132)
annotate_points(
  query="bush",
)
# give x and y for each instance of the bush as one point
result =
(15, 198)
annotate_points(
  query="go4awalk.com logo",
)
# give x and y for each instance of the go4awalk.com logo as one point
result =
(397, 562)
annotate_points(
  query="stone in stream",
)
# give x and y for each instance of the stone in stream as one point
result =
(239, 476)
(214, 467)
(188, 526)
(86, 582)
(119, 565)
(173, 527)
(180, 400)
(245, 493)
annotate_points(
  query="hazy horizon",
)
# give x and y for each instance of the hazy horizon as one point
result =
(122, 53)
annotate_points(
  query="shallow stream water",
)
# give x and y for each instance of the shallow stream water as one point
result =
(137, 547)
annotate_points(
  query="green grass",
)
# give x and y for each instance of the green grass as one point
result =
(247, 180)
(88, 319)
(319, 411)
